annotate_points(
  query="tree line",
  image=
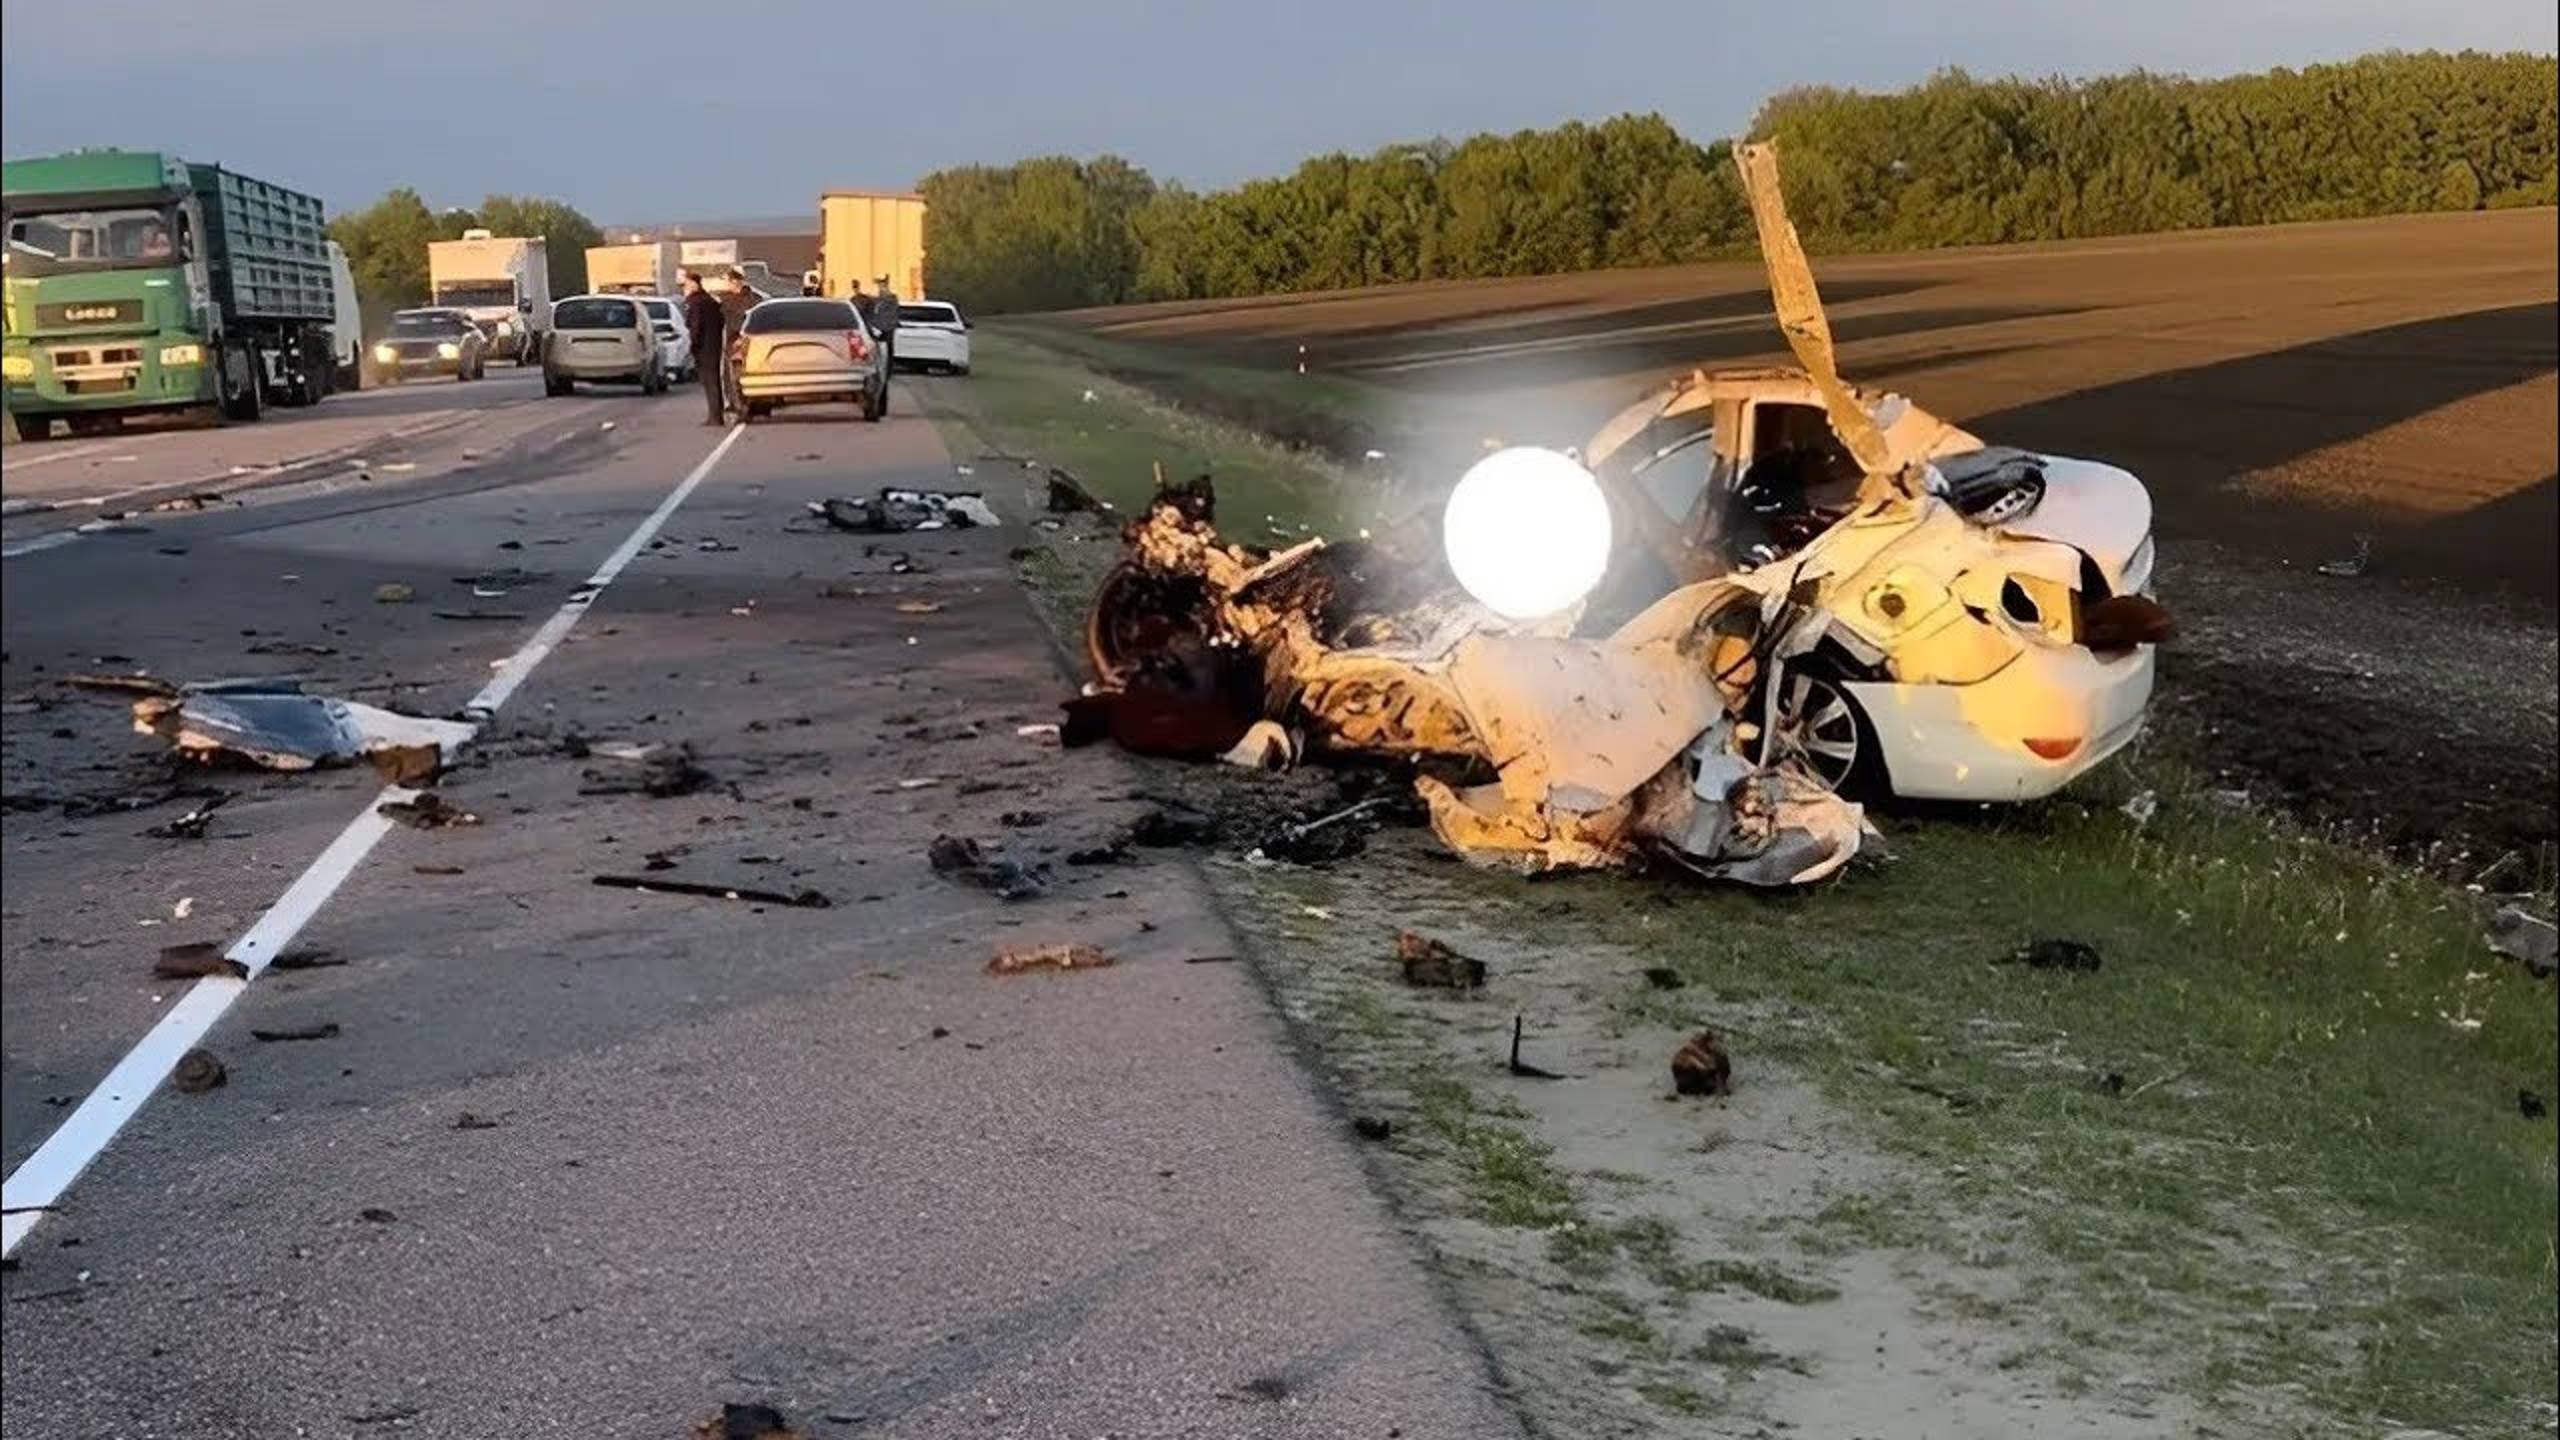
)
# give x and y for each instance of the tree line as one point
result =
(1952, 161)
(386, 242)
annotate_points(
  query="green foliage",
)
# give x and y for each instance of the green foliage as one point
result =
(1952, 161)
(386, 242)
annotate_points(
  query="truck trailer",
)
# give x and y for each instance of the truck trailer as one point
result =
(502, 282)
(865, 234)
(644, 267)
(138, 282)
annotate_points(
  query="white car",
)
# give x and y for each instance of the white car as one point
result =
(932, 335)
(1990, 639)
(675, 339)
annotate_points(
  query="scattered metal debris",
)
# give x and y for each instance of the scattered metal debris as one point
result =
(1701, 1067)
(2057, 954)
(1430, 963)
(470, 1121)
(2525, 938)
(2352, 566)
(803, 899)
(1523, 1068)
(895, 510)
(195, 960)
(321, 1030)
(961, 858)
(745, 1422)
(190, 826)
(198, 1071)
(658, 771)
(1014, 960)
(274, 725)
(310, 957)
(425, 811)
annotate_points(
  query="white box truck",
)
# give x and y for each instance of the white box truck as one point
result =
(503, 283)
(644, 267)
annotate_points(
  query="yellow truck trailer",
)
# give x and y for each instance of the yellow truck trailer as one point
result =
(865, 234)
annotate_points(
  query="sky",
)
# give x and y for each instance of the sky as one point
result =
(655, 110)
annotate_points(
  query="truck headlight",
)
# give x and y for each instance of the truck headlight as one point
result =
(181, 354)
(18, 367)
(448, 351)
(385, 353)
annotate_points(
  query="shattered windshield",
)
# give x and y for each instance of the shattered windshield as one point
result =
(92, 240)
(477, 293)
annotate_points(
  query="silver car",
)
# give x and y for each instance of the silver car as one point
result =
(809, 351)
(601, 337)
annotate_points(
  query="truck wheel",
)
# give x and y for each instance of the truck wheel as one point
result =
(32, 427)
(245, 403)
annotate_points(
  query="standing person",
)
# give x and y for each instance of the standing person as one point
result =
(735, 302)
(884, 318)
(710, 346)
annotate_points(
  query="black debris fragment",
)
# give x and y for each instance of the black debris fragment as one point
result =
(1701, 1067)
(428, 811)
(190, 826)
(377, 1215)
(963, 859)
(1068, 496)
(308, 958)
(745, 1422)
(323, 1030)
(1430, 964)
(2530, 1105)
(1110, 852)
(194, 961)
(469, 1121)
(1663, 977)
(1371, 1127)
(197, 1072)
(1165, 828)
(1523, 1068)
(805, 899)
(2056, 954)
(1022, 819)
(1326, 838)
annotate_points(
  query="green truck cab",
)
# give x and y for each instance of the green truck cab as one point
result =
(138, 282)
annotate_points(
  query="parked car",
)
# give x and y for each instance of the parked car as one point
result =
(432, 341)
(675, 338)
(809, 351)
(932, 335)
(601, 337)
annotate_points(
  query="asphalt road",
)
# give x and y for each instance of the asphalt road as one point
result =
(716, 1151)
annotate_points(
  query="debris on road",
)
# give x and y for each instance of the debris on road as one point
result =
(377, 1215)
(190, 826)
(895, 510)
(2529, 1104)
(963, 859)
(469, 1121)
(803, 899)
(321, 1030)
(1325, 839)
(1523, 1068)
(657, 771)
(2057, 954)
(919, 607)
(130, 684)
(1701, 1067)
(1431, 963)
(2352, 566)
(2525, 938)
(309, 957)
(198, 1071)
(1170, 827)
(478, 614)
(1371, 1127)
(745, 1422)
(394, 593)
(1068, 495)
(195, 960)
(274, 725)
(1013, 961)
(1267, 745)
(425, 811)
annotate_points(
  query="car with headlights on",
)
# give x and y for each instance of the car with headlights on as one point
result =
(809, 351)
(430, 342)
(601, 338)
(932, 335)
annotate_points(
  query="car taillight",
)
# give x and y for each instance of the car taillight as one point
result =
(857, 345)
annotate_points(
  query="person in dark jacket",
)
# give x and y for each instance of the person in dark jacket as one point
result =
(710, 346)
(735, 302)
(884, 318)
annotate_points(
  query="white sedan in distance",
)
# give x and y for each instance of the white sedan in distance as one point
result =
(932, 335)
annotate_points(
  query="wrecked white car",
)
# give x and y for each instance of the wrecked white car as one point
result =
(1754, 593)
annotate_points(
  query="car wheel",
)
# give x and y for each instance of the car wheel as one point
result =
(1819, 727)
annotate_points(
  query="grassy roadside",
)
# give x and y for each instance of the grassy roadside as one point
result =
(2265, 1169)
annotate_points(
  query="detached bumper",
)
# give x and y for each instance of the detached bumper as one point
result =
(1970, 742)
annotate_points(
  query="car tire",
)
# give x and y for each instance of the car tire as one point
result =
(1820, 725)
(959, 369)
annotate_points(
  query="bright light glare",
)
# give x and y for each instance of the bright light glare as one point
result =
(1527, 532)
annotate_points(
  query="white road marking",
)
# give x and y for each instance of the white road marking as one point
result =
(48, 456)
(16, 548)
(41, 1180)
